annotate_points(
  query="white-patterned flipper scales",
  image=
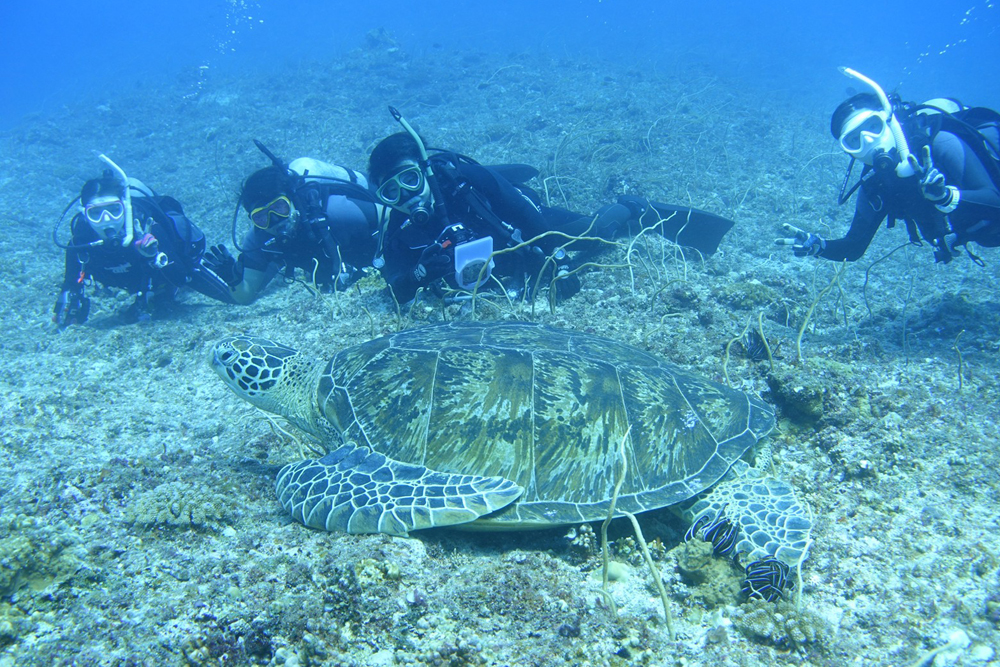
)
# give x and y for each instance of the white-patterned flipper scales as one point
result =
(359, 491)
(773, 520)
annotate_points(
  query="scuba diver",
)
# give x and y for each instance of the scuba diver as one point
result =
(124, 235)
(451, 218)
(935, 165)
(310, 215)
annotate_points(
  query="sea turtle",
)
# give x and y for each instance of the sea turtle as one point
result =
(505, 425)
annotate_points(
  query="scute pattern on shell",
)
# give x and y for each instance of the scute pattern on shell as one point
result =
(545, 408)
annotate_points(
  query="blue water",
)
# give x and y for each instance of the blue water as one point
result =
(54, 50)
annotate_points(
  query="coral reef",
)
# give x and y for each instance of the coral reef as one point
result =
(180, 504)
(779, 624)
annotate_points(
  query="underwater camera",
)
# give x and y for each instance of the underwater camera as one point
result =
(470, 255)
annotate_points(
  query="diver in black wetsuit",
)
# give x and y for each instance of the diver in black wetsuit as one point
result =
(308, 215)
(450, 214)
(935, 166)
(425, 228)
(130, 238)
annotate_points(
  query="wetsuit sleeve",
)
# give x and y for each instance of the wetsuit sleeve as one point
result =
(979, 198)
(256, 268)
(400, 260)
(253, 255)
(71, 278)
(869, 213)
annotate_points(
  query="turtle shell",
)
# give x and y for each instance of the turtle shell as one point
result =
(546, 408)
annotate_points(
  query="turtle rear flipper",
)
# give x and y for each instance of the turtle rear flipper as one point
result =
(359, 491)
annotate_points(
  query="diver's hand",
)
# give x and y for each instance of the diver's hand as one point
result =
(220, 261)
(567, 283)
(147, 245)
(932, 182)
(434, 263)
(804, 244)
(72, 307)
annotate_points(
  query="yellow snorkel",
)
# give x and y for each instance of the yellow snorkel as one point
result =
(425, 164)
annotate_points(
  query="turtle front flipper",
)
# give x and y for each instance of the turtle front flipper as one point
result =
(359, 491)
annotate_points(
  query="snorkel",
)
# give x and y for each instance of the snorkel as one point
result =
(126, 200)
(905, 166)
(420, 214)
(275, 160)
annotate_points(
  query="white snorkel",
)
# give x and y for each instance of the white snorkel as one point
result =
(127, 201)
(905, 167)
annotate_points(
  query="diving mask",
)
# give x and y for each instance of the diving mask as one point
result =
(106, 216)
(408, 191)
(280, 208)
(866, 134)
(396, 187)
(891, 148)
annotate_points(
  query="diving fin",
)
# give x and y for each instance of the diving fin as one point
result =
(689, 227)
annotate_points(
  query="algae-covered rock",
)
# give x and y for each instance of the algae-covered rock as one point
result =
(820, 389)
(750, 294)
(35, 554)
(714, 581)
(629, 550)
(798, 393)
(371, 572)
(14, 624)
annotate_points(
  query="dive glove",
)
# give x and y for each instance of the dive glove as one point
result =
(223, 264)
(933, 186)
(804, 244)
(567, 284)
(72, 307)
(434, 263)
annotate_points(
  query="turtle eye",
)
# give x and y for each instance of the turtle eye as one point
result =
(225, 356)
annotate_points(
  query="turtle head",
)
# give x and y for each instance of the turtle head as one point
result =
(267, 374)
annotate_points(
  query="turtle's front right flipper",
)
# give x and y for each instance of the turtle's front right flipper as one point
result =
(359, 491)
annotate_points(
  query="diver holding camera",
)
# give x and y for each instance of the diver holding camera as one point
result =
(446, 214)
(457, 247)
(450, 220)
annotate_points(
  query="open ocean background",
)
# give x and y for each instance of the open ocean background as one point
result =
(138, 523)
(57, 52)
